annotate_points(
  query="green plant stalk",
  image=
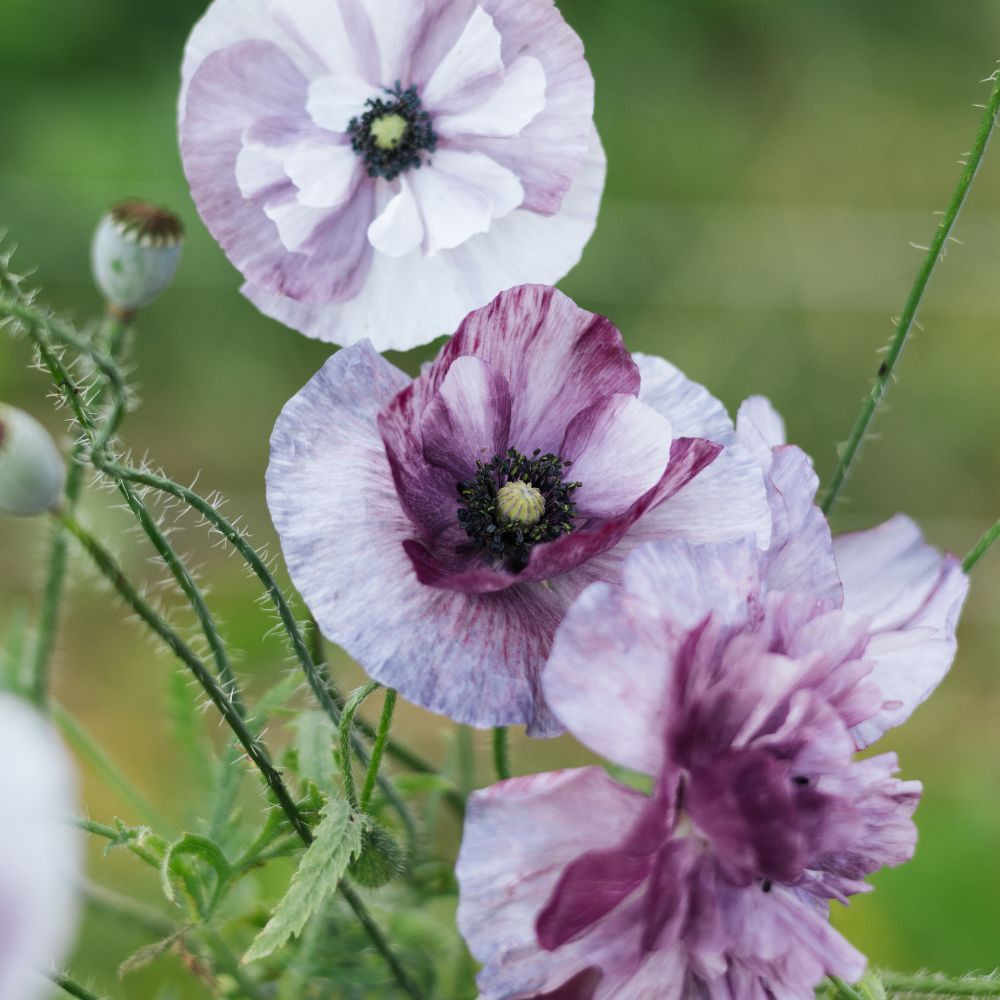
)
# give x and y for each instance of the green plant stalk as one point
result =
(128, 910)
(114, 334)
(378, 748)
(501, 753)
(74, 989)
(110, 833)
(84, 744)
(254, 747)
(981, 547)
(351, 706)
(843, 990)
(935, 252)
(941, 985)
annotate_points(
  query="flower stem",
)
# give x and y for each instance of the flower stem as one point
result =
(74, 989)
(501, 753)
(84, 744)
(981, 547)
(378, 748)
(935, 253)
(843, 990)
(351, 707)
(968, 986)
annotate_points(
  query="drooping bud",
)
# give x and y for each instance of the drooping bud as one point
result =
(380, 861)
(135, 253)
(32, 470)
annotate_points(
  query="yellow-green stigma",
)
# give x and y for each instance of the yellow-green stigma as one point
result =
(388, 131)
(515, 502)
(520, 504)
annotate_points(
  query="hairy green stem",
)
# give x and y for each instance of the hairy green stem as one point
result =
(935, 253)
(110, 833)
(843, 990)
(378, 747)
(967, 986)
(73, 988)
(501, 753)
(87, 747)
(981, 547)
(351, 706)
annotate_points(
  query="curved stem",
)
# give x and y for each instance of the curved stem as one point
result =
(941, 985)
(981, 547)
(351, 706)
(501, 753)
(935, 253)
(73, 988)
(843, 990)
(378, 748)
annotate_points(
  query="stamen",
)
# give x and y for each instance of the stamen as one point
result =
(391, 134)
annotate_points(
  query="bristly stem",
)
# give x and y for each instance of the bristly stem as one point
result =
(981, 547)
(943, 986)
(74, 989)
(501, 753)
(351, 706)
(843, 990)
(378, 748)
(935, 253)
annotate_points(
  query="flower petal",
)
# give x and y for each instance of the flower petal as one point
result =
(398, 229)
(914, 595)
(760, 428)
(468, 420)
(472, 65)
(441, 290)
(397, 23)
(460, 194)
(613, 650)
(324, 173)
(336, 98)
(518, 837)
(619, 449)
(332, 498)
(508, 110)
(338, 33)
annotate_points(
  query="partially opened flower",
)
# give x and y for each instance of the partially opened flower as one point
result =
(742, 682)
(379, 168)
(439, 528)
(39, 852)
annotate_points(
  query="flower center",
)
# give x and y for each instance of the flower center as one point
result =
(390, 133)
(513, 503)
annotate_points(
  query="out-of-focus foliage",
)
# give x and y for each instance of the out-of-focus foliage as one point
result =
(769, 165)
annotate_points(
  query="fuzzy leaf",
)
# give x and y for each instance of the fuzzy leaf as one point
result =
(151, 952)
(314, 741)
(337, 843)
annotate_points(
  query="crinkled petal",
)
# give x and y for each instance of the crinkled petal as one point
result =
(398, 228)
(459, 194)
(619, 449)
(760, 429)
(914, 595)
(396, 24)
(336, 98)
(469, 418)
(441, 290)
(470, 69)
(613, 651)
(508, 110)
(338, 33)
(40, 852)
(518, 838)
(323, 173)
(342, 529)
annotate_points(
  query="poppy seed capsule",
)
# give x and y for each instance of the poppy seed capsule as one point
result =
(135, 253)
(32, 471)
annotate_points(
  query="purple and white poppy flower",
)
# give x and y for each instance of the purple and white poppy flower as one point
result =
(379, 168)
(438, 528)
(39, 852)
(742, 682)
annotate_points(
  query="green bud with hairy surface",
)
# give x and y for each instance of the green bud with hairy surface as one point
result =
(32, 470)
(381, 859)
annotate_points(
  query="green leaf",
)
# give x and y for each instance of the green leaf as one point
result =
(314, 741)
(337, 843)
(174, 870)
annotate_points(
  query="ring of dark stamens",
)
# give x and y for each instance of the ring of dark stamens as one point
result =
(419, 135)
(511, 544)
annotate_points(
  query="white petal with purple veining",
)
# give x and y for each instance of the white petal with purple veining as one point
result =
(324, 173)
(472, 66)
(338, 42)
(336, 98)
(397, 24)
(398, 229)
(619, 449)
(507, 110)
(297, 223)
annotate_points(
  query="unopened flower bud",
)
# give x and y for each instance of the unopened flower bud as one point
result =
(135, 253)
(381, 859)
(32, 470)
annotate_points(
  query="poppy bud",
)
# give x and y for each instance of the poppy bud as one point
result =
(32, 470)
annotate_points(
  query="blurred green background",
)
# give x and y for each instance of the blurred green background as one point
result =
(770, 163)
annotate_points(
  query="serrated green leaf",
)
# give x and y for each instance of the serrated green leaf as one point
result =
(337, 843)
(314, 741)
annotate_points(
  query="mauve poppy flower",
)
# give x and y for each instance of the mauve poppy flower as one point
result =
(379, 168)
(39, 852)
(438, 528)
(742, 682)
